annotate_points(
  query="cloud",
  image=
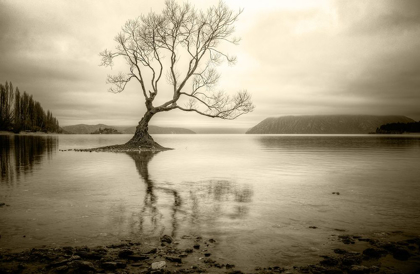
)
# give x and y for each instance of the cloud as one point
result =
(51, 50)
(327, 68)
(300, 57)
(378, 17)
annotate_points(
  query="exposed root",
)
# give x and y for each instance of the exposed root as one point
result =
(124, 148)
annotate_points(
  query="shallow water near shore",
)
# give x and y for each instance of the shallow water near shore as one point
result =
(258, 195)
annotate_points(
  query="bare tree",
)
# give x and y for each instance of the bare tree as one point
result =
(155, 46)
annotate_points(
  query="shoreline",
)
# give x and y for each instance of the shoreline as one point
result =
(194, 254)
(27, 133)
(268, 134)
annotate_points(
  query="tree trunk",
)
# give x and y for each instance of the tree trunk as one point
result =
(141, 138)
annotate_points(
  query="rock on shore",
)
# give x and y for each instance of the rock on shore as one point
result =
(192, 254)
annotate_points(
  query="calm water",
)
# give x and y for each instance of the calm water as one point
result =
(257, 195)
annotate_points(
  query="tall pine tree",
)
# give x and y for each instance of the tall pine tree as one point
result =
(21, 112)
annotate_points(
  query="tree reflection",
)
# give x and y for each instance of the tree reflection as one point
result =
(7, 172)
(150, 208)
(214, 199)
(191, 204)
(20, 154)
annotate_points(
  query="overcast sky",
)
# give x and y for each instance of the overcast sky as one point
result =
(295, 58)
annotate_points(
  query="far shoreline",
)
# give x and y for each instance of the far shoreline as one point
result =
(27, 133)
(268, 134)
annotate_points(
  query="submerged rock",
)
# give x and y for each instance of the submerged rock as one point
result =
(401, 254)
(59, 263)
(138, 257)
(166, 239)
(125, 253)
(151, 251)
(347, 239)
(374, 253)
(189, 250)
(359, 269)
(82, 265)
(340, 251)
(229, 266)
(350, 259)
(174, 259)
(158, 265)
(62, 269)
(90, 255)
(329, 261)
(109, 265)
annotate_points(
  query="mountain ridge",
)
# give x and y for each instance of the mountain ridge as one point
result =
(88, 129)
(325, 124)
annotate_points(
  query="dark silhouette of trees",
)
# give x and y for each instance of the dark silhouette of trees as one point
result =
(20, 112)
(106, 131)
(180, 45)
(6, 103)
(398, 128)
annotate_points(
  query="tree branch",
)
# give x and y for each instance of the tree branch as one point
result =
(180, 31)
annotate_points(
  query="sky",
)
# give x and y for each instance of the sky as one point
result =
(304, 57)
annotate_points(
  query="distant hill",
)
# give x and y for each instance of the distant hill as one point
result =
(83, 129)
(88, 129)
(325, 124)
(214, 130)
(160, 130)
(106, 131)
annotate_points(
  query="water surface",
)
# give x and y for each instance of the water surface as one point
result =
(256, 194)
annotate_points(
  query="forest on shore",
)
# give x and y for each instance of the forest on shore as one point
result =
(399, 128)
(20, 112)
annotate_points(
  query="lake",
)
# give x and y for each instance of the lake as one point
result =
(257, 195)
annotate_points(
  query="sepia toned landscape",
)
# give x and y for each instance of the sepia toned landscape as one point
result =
(209, 137)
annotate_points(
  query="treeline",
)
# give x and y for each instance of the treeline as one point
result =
(398, 128)
(106, 131)
(20, 112)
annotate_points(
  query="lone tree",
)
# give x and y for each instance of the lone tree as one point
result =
(156, 46)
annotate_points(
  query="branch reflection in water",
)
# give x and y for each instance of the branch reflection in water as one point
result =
(194, 207)
(150, 208)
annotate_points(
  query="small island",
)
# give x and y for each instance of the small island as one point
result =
(399, 128)
(106, 131)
